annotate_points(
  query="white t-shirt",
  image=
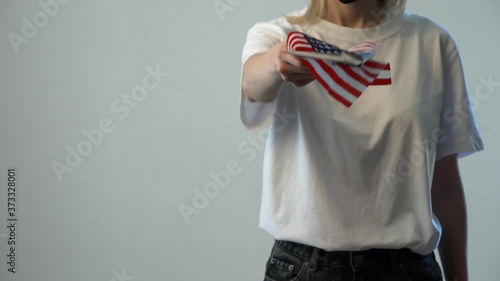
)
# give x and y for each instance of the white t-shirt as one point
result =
(359, 177)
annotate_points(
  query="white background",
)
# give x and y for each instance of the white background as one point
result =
(117, 213)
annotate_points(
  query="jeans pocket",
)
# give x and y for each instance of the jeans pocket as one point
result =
(424, 269)
(284, 266)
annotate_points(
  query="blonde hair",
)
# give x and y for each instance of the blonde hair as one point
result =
(316, 8)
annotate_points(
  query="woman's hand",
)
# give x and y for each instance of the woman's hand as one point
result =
(264, 73)
(290, 68)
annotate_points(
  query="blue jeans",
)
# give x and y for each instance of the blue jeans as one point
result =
(290, 261)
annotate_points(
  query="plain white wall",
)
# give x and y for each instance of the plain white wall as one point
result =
(115, 216)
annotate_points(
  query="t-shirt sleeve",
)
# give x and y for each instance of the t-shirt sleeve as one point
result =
(260, 38)
(459, 131)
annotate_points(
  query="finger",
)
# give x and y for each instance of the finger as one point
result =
(291, 59)
(286, 68)
(302, 83)
(299, 76)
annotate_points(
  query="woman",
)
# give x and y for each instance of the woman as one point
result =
(347, 189)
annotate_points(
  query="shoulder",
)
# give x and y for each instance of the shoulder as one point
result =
(430, 32)
(425, 24)
(263, 35)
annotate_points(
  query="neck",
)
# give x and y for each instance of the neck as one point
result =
(360, 14)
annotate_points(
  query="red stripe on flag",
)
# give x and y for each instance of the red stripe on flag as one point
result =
(297, 42)
(383, 81)
(348, 70)
(370, 74)
(325, 85)
(342, 83)
(374, 64)
(304, 49)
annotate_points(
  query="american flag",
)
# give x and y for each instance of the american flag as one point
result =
(343, 82)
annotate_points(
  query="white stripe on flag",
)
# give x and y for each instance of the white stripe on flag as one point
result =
(302, 46)
(372, 69)
(385, 74)
(296, 36)
(361, 73)
(349, 79)
(330, 82)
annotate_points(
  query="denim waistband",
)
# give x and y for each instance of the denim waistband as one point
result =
(351, 259)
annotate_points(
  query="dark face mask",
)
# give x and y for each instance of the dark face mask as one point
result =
(347, 1)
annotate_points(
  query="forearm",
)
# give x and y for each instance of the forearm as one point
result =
(450, 208)
(260, 81)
